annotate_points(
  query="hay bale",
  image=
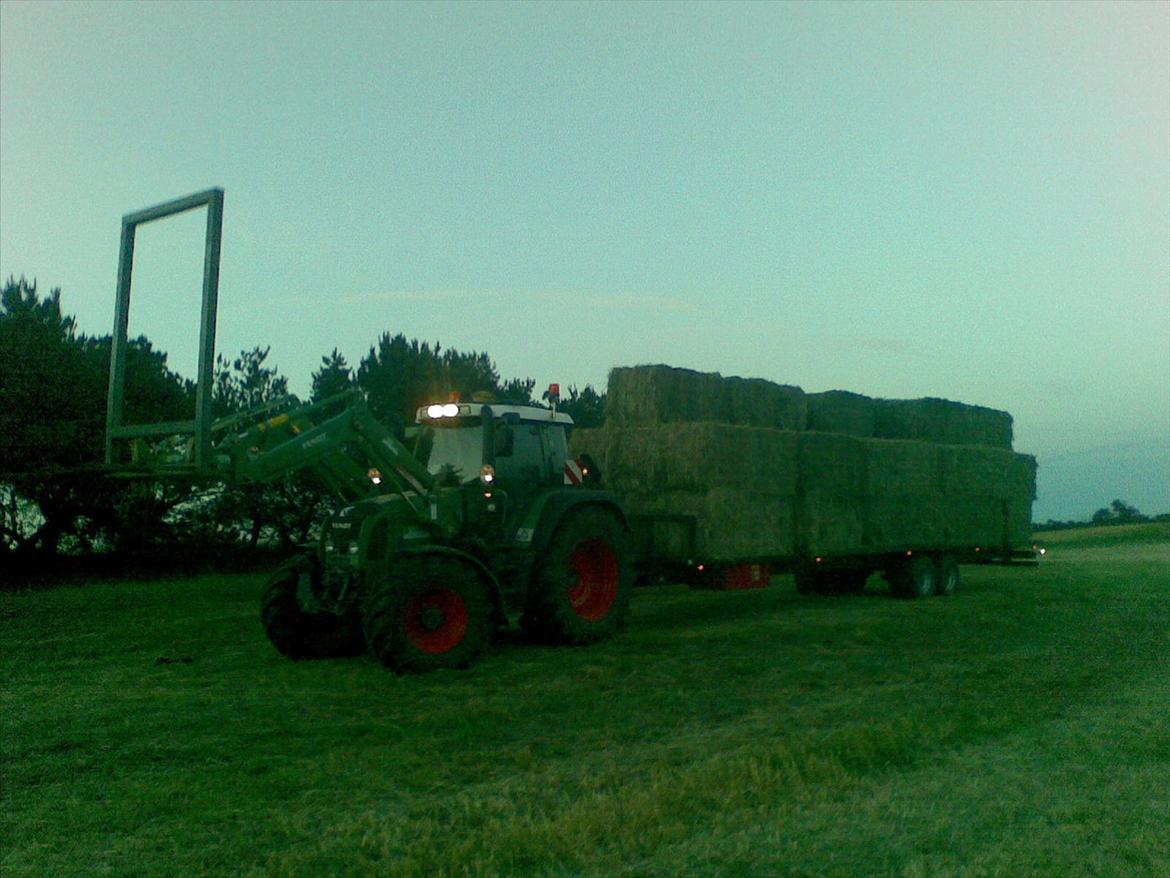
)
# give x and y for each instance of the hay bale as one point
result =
(729, 525)
(833, 463)
(754, 402)
(699, 457)
(592, 441)
(639, 395)
(943, 421)
(899, 468)
(1019, 522)
(839, 411)
(988, 472)
(894, 523)
(828, 522)
(663, 394)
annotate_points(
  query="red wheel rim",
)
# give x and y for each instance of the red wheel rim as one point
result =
(436, 620)
(595, 590)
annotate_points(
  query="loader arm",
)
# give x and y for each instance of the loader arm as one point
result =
(338, 440)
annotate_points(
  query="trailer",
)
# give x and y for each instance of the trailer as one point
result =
(727, 481)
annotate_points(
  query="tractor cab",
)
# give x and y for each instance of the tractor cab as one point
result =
(513, 446)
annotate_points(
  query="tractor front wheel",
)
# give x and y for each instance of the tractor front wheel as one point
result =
(582, 582)
(296, 633)
(430, 612)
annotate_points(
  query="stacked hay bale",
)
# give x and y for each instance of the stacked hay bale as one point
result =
(761, 470)
(839, 411)
(644, 395)
(943, 421)
(738, 484)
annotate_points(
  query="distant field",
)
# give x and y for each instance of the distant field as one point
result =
(1017, 729)
(1107, 536)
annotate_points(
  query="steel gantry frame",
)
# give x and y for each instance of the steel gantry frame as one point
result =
(200, 427)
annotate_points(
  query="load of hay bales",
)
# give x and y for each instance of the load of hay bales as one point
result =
(731, 470)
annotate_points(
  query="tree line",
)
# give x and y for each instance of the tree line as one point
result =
(55, 498)
(1117, 512)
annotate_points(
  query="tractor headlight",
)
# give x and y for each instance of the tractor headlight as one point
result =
(445, 410)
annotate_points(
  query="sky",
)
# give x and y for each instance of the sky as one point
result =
(969, 201)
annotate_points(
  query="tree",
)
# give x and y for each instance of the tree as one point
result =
(586, 407)
(332, 378)
(398, 376)
(1118, 512)
(52, 421)
(518, 391)
(246, 382)
(284, 510)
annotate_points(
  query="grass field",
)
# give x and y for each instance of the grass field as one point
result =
(1017, 729)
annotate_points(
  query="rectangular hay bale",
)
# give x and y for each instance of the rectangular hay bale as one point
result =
(729, 524)
(830, 522)
(840, 411)
(897, 468)
(943, 421)
(662, 394)
(833, 463)
(700, 456)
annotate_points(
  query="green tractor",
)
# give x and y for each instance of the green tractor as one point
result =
(441, 544)
(474, 517)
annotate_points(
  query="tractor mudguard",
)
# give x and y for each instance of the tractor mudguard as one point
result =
(549, 509)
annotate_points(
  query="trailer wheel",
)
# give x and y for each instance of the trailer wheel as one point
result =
(948, 576)
(851, 581)
(807, 581)
(914, 578)
(429, 612)
(581, 584)
(301, 635)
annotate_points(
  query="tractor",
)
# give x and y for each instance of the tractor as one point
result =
(442, 539)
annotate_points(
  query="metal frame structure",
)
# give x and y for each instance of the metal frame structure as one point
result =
(200, 427)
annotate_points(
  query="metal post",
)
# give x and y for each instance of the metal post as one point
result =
(206, 376)
(114, 404)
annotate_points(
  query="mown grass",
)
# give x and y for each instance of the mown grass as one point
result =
(1016, 729)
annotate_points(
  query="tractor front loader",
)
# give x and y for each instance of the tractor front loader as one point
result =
(438, 539)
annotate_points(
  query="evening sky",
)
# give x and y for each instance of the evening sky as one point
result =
(961, 200)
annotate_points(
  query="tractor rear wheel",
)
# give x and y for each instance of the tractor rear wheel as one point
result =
(296, 633)
(582, 582)
(429, 612)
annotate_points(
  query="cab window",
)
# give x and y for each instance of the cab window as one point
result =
(519, 451)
